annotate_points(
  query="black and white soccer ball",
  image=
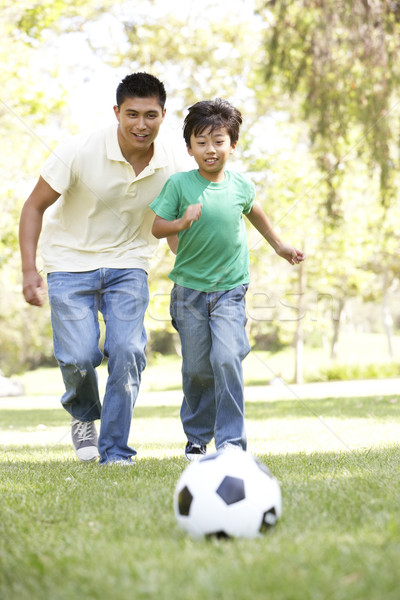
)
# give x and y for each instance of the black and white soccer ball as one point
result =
(227, 494)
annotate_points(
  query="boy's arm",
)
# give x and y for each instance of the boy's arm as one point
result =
(163, 228)
(260, 221)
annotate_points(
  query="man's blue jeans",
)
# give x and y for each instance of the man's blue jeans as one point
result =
(211, 326)
(122, 296)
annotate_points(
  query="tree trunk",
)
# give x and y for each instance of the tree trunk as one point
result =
(386, 314)
(336, 329)
(299, 335)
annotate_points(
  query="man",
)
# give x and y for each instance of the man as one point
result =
(96, 248)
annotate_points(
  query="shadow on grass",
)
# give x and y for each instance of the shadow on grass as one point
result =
(317, 464)
(59, 460)
(386, 407)
(345, 408)
(27, 420)
(301, 464)
(342, 408)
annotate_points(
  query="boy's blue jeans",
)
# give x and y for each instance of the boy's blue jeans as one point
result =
(211, 326)
(122, 296)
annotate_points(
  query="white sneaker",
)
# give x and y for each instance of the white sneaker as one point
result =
(231, 448)
(84, 439)
(121, 462)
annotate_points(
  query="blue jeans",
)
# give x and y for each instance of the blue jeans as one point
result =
(211, 327)
(122, 296)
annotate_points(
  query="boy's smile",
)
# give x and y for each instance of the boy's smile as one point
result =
(211, 150)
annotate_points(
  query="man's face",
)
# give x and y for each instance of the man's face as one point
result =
(139, 122)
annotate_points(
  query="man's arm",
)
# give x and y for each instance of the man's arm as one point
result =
(260, 221)
(163, 228)
(173, 243)
(30, 226)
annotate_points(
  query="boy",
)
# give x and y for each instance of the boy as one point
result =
(204, 208)
(96, 248)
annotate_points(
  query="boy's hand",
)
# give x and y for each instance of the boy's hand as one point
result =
(164, 228)
(292, 255)
(192, 213)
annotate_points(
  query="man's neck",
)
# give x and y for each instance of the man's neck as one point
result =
(138, 159)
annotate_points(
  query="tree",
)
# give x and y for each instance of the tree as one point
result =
(341, 58)
(30, 109)
(337, 63)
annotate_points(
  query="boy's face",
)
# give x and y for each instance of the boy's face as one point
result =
(211, 150)
(139, 122)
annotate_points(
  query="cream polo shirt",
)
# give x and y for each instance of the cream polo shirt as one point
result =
(102, 218)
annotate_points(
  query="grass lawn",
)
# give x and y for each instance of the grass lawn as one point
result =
(259, 367)
(70, 530)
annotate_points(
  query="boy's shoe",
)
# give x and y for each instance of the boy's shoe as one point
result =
(231, 448)
(84, 440)
(194, 451)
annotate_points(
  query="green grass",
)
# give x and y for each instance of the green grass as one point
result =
(359, 356)
(69, 530)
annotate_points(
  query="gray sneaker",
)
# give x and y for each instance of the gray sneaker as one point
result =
(84, 440)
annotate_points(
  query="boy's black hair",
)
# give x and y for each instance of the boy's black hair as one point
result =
(141, 85)
(215, 114)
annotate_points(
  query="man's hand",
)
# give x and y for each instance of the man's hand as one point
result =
(30, 226)
(34, 288)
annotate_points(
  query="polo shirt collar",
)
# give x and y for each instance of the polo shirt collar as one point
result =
(158, 160)
(160, 157)
(112, 145)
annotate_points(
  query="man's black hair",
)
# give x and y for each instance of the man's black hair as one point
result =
(141, 85)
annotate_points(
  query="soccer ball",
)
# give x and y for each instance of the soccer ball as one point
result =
(227, 494)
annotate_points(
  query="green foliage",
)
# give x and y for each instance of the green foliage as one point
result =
(25, 334)
(33, 95)
(203, 58)
(341, 58)
(34, 20)
(337, 372)
(317, 83)
(333, 66)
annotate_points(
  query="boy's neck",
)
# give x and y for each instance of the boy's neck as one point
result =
(217, 177)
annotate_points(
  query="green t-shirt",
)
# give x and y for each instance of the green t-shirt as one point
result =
(213, 254)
